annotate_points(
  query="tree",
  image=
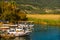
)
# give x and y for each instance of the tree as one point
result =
(11, 13)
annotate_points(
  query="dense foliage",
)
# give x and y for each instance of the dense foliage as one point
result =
(10, 11)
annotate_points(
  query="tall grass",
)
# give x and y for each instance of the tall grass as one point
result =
(45, 21)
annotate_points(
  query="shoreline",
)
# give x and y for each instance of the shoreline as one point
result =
(46, 20)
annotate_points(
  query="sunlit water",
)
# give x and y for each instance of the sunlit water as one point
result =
(41, 32)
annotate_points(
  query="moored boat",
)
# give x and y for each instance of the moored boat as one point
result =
(21, 29)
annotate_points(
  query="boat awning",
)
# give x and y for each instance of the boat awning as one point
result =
(13, 25)
(4, 27)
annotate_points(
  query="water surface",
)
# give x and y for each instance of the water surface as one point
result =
(41, 32)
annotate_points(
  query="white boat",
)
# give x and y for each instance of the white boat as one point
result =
(21, 30)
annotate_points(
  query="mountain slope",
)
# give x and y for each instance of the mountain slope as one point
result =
(41, 3)
(39, 6)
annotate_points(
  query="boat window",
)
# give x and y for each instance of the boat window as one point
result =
(19, 28)
(12, 30)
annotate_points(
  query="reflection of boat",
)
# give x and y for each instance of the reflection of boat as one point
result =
(21, 30)
(16, 38)
(5, 35)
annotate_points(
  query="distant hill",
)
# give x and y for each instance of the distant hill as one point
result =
(39, 6)
(41, 3)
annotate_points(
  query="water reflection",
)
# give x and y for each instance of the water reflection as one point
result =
(17, 38)
(41, 32)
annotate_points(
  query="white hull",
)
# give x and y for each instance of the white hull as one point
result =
(20, 33)
(21, 29)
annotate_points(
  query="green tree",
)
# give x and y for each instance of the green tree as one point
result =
(11, 12)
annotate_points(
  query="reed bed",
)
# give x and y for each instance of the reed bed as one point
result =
(49, 19)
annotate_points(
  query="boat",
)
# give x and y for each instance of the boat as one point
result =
(21, 29)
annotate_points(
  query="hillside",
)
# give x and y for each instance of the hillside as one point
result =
(51, 6)
(39, 6)
(41, 3)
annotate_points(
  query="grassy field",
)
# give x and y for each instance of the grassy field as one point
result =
(44, 18)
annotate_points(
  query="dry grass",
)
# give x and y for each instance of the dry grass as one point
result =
(49, 19)
(44, 16)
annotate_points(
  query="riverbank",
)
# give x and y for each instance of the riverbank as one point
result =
(44, 19)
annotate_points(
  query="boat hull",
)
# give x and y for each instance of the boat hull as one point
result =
(20, 33)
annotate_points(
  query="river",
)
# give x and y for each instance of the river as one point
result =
(41, 32)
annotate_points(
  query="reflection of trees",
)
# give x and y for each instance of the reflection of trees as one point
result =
(17, 38)
(27, 38)
(22, 38)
